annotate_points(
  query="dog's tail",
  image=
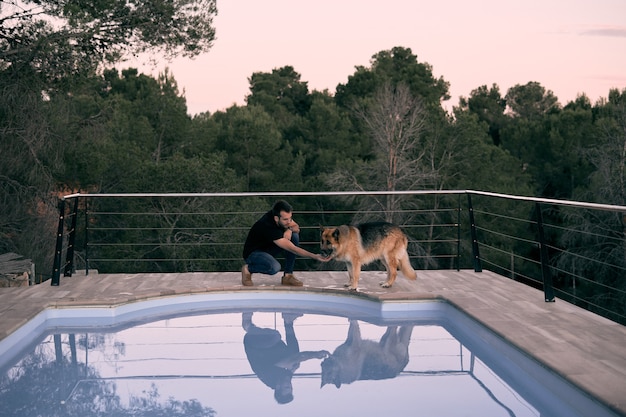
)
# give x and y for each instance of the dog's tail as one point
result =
(406, 268)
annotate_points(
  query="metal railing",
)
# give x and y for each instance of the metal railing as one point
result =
(572, 250)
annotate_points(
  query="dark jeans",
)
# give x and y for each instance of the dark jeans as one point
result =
(262, 262)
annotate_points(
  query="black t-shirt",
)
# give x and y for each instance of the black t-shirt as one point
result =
(262, 235)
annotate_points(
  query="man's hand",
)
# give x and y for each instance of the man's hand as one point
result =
(321, 354)
(322, 258)
(294, 227)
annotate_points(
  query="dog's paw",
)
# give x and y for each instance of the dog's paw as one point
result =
(385, 284)
(351, 288)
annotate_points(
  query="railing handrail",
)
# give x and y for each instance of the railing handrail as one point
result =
(266, 194)
(570, 203)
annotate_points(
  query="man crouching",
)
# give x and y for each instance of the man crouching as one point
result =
(271, 235)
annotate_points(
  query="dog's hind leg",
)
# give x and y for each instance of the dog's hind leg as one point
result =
(406, 268)
(392, 271)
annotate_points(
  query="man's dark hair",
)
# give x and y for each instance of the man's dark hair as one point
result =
(281, 205)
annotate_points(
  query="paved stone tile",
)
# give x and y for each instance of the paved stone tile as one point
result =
(584, 348)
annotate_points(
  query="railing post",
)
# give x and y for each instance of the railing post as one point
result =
(86, 237)
(548, 291)
(69, 256)
(475, 252)
(56, 268)
(458, 234)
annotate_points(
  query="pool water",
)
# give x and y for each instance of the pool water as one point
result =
(301, 357)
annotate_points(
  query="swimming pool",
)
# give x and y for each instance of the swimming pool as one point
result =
(236, 354)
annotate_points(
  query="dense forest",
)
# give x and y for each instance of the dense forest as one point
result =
(70, 121)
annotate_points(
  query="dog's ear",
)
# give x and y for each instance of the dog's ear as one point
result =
(343, 230)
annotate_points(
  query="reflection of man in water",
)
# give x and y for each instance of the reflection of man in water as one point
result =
(273, 360)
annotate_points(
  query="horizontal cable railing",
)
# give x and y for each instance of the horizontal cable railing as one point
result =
(578, 247)
(573, 250)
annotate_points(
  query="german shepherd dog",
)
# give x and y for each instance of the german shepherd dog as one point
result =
(358, 359)
(365, 243)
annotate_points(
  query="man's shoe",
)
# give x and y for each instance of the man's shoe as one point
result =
(246, 276)
(289, 279)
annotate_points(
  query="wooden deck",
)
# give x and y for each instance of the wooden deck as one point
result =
(582, 347)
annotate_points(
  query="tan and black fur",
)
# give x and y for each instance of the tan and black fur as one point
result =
(365, 243)
(358, 359)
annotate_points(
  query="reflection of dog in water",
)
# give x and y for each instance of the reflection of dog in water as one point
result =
(358, 359)
(366, 243)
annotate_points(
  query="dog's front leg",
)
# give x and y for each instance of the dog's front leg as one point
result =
(354, 270)
(349, 269)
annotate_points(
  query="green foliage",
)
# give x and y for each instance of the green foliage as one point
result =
(116, 125)
(483, 166)
(608, 154)
(530, 101)
(328, 140)
(595, 243)
(395, 120)
(30, 158)
(279, 91)
(51, 111)
(85, 33)
(393, 66)
(489, 106)
(255, 149)
(550, 144)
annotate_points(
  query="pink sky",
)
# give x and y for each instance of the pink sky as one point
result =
(569, 46)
